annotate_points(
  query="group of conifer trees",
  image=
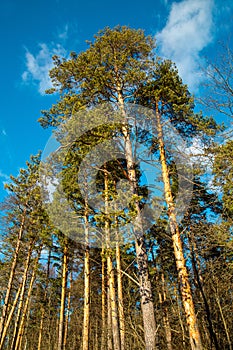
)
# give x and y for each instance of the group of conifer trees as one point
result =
(125, 285)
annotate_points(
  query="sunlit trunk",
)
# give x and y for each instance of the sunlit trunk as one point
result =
(185, 288)
(147, 305)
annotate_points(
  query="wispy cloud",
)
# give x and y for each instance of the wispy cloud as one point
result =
(4, 176)
(3, 132)
(187, 32)
(38, 65)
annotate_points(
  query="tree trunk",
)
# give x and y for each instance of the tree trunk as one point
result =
(21, 299)
(12, 273)
(120, 296)
(25, 309)
(166, 323)
(45, 298)
(197, 273)
(10, 315)
(109, 339)
(185, 288)
(63, 298)
(147, 305)
(67, 313)
(86, 315)
(103, 302)
(111, 279)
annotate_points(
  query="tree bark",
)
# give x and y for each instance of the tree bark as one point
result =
(63, 298)
(147, 305)
(25, 309)
(86, 315)
(12, 273)
(111, 279)
(197, 273)
(166, 323)
(21, 299)
(67, 312)
(185, 288)
(103, 302)
(45, 298)
(120, 296)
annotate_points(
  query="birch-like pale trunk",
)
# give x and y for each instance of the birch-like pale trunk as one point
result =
(185, 288)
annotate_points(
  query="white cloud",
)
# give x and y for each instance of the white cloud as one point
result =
(187, 32)
(38, 65)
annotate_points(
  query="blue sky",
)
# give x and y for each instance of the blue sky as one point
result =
(32, 31)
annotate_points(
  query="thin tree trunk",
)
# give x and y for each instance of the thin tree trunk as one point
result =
(12, 273)
(21, 299)
(166, 323)
(103, 302)
(45, 298)
(67, 313)
(63, 298)
(147, 305)
(111, 279)
(224, 322)
(10, 315)
(86, 318)
(185, 288)
(109, 338)
(197, 272)
(120, 296)
(25, 309)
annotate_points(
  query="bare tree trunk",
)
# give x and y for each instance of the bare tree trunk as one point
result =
(63, 298)
(45, 298)
(197, 272)
(25, 309)
(103, 302)
(111, 279)
(67, 313)
(21, 299)
(147, 305)
(120, 296)
(185, 288)
(224, 322)
(109, 338)
(12, 273)
(10, 315)
(86, 318)
(162, 300)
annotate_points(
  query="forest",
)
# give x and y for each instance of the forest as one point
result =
(118, 236)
